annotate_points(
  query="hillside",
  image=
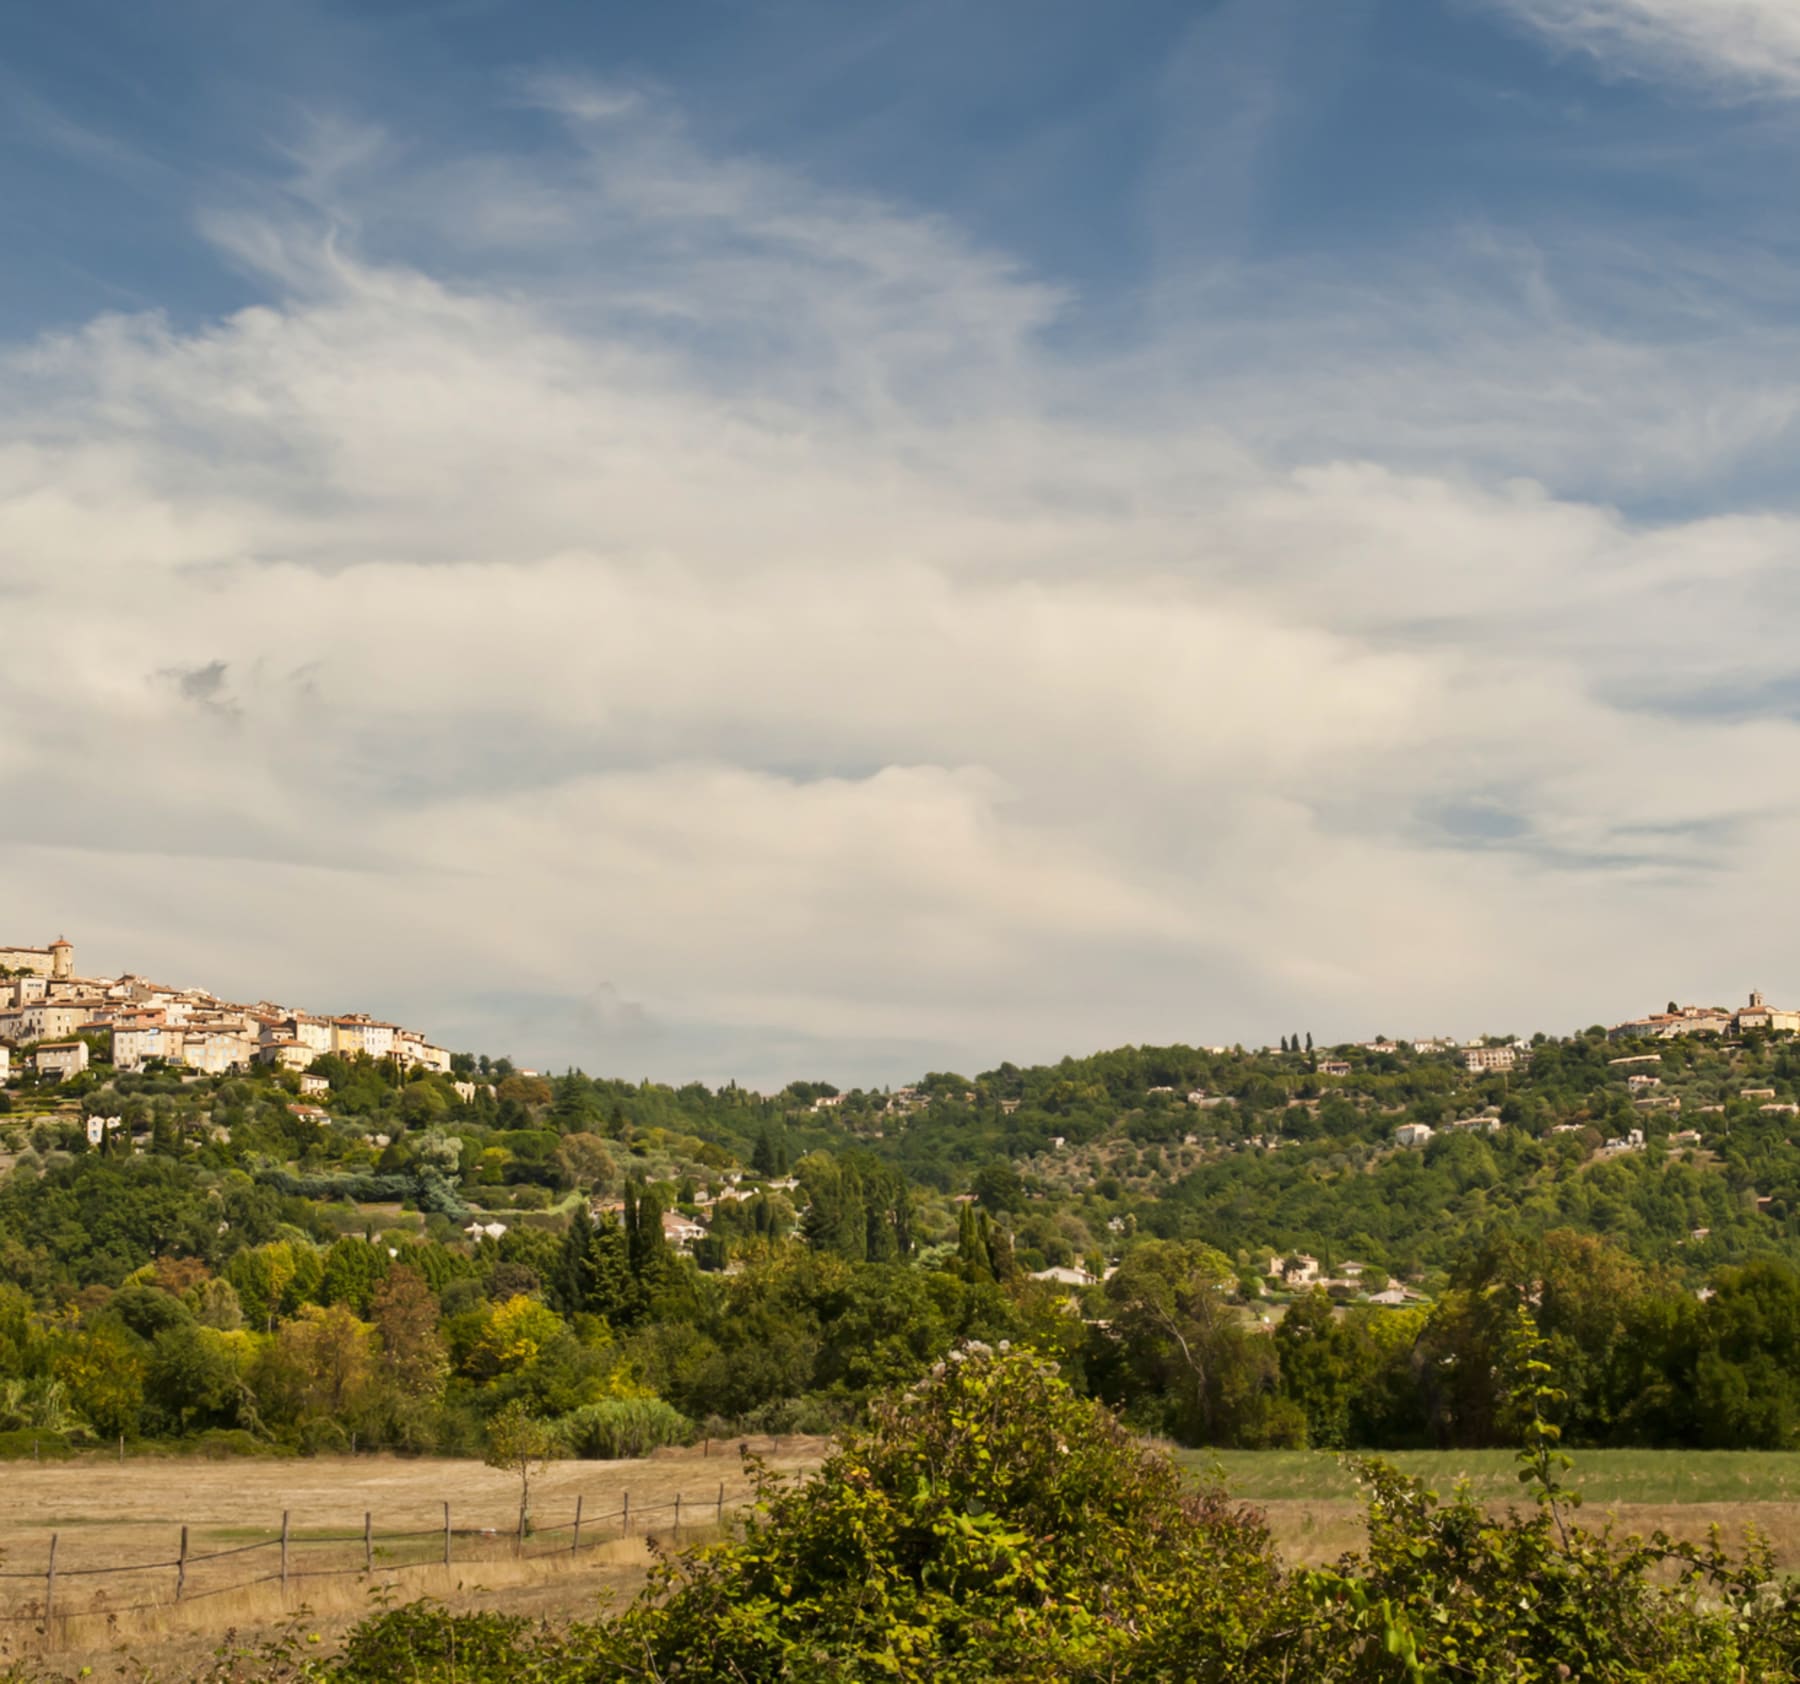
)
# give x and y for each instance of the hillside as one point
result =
(1275, 1247)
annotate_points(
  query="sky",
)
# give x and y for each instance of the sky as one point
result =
(755, 539)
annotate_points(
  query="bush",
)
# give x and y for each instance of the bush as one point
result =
(990, 1524)
(616, 1428)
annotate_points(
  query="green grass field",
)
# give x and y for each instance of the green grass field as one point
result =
(1658, 1477)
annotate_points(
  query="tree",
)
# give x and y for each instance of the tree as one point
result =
(583, 1161)
(410, 1379)
(765, 1159)
(352, 1270)
(103, 1372)
(998, 1186)
(519, 1443)
(646, 1245)
(1209, 1378)
(193, 1380)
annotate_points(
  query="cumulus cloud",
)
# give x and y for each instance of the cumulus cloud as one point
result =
(1742, 44)
(675, 619)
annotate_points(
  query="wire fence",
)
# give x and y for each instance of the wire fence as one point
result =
(44, 1597)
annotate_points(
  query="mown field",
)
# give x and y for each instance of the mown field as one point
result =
(108, 1515)
(1313, 1506)
(1603, 1476)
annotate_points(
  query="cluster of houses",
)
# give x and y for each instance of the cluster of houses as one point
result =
(1757, 1014)
(1421, 1134)
(680, 1230)
(46, 1006)
(1304, 1272)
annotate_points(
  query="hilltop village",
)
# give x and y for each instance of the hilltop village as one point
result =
(57, 1020)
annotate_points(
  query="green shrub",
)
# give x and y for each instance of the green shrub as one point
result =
(25, 1444)
(616, 1428)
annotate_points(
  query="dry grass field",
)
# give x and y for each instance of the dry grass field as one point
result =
(108, 1515)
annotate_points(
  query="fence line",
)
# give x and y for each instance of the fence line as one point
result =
(709, 1509)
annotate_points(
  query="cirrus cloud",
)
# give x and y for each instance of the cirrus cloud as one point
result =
(1743, 44)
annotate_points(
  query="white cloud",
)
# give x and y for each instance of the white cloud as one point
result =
(1745, 44)
(715, 597)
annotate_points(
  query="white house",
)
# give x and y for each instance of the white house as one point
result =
(1413, 1134)
(98, 1128)
(1486, 1059)
(681, 1230)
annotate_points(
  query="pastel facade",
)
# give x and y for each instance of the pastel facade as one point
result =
(286, 1054)
(58, 1060)
(135, 1041)
(415, 1052)
(216, 1053)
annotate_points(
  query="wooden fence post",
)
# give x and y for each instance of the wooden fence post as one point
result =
(446, 1534)
(719, 1515)
(677, 1517)
(368, 1541)
(575, 1543)
(50, 1590)
(625, 1523)
(284, 1551)
(181, 1568)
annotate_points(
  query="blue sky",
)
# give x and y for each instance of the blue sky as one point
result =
(752, 539)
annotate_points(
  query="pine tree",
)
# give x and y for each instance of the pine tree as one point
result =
(576, 1264)
(762, 1159)
(853, 1222)
(971, 1248)
(647, 1247)
(1000, 1249)
(615, 1292)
